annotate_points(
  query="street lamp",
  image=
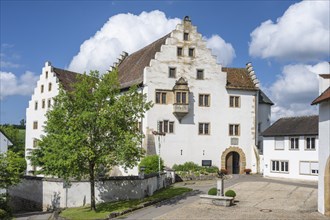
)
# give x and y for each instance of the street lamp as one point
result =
(158, 134)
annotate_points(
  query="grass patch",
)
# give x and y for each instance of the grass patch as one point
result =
(104, 209)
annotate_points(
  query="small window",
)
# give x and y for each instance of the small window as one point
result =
(308, 168)
(294, 143)
(172, 72)
(280, 166)
(160, 97)
(36, 105)
(35, 125)
(310, 143)
(35, 143)
(204, 100)
(49, 86)
(49, 103)
(234, 130)
(46, 74)
(179, 51)
(191, 52)
(234, 101)
(200, 74)
(181, 98)
(203, 128)
(185, 36)
(43, 103)
(42, 88)
(279, 143)
(166, 126)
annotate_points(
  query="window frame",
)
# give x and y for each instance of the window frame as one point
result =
(310, 168)
(43, 103)
(276, 140)
(279, 166)
(179, 96)
(162, 97)
(234, 101)
(200, 74)
(165, 126)
(311, 144)
(42, 88)
(49, 102)
(203, 97)
(49, 87)
(191, 52)
(35, 105)
(295, 143)
(185, 36)
(204, 128)
(35, 125)
(179, 51)
(172, 70)
(234, 130)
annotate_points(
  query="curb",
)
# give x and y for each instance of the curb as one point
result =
(146, 204)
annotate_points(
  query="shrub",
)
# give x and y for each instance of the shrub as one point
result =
(150, 163)
(4, 214)
(213, 191)
(230, 193)
(187, 166)
(211, 169)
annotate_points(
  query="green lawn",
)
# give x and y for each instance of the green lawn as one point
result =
(104, 209)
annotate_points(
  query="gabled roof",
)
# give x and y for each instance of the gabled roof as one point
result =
(66, 78)
(4, 134)
(238, 78)
(263, 98)
(293, 126)
(130, 70)
(323, 97)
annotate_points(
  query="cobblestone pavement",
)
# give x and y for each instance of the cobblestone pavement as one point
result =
(257, 198)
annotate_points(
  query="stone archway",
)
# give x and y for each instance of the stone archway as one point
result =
(241, 156)
(327, 188)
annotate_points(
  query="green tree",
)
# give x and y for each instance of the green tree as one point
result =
(12, 168)
(17, 137)
(150, 164)
(91, 128)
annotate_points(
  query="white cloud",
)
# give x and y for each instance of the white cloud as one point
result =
(11, 85)
(128, 32)
(295, 89)
(301, 34)
(8, 64)
(224, 51)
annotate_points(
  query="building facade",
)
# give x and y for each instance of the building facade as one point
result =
(209, 114)
(324, 135)
(291, 147)
(5, 142)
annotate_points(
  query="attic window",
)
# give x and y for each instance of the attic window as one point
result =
(179, 51)
(185, 36)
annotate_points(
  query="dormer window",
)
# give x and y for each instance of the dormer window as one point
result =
(185, 36)
(179, 51)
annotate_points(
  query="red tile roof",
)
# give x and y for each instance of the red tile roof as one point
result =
(66, 78)
(238, 78)
(323, 97)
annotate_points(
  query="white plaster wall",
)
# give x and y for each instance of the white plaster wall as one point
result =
(219, 115)
(324, 149)
(4, 143)
(264, 120)
(39, 114)
(293, 156)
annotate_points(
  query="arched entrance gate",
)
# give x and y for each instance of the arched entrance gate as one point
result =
(233, 160)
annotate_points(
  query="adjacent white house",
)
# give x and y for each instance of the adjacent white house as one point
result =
(5, 142)
(209, 114)
(291, 148)
(324, 142)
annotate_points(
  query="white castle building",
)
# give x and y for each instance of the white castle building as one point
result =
(210, 114)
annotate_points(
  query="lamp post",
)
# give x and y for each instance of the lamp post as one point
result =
(158, 134)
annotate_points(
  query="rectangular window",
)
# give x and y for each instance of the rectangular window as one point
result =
(49, 103)
(185, 36)
(179, 51)
(191, 52)
(310, 143)
(234, 101)
(294, 143)
(172, 72)
(42, 88)
(200, 74)
(203, 128)
(160, 98)
(181, 98)
(166, 126)
(234, 130)
(36, 105)
(49, 86)
(139, 126)
(279, 143)
(43, 103)
(35, 125)
(46, 74)
(279, 166)
(204, 100)
(308, 168)
(35, 142)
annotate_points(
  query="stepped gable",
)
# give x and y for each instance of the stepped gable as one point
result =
(130, 70)
(293, 126)
(66, 78)
(238, 78)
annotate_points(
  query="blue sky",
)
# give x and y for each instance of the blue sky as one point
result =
(287, 52)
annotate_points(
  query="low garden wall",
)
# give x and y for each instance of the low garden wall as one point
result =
(40, 193)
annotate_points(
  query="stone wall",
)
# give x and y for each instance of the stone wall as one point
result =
(38, 193)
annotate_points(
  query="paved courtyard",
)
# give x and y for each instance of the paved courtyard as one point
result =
(257, 198)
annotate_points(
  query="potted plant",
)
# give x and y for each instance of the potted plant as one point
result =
(247, 170)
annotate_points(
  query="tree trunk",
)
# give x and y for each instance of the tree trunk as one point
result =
(92, 183)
